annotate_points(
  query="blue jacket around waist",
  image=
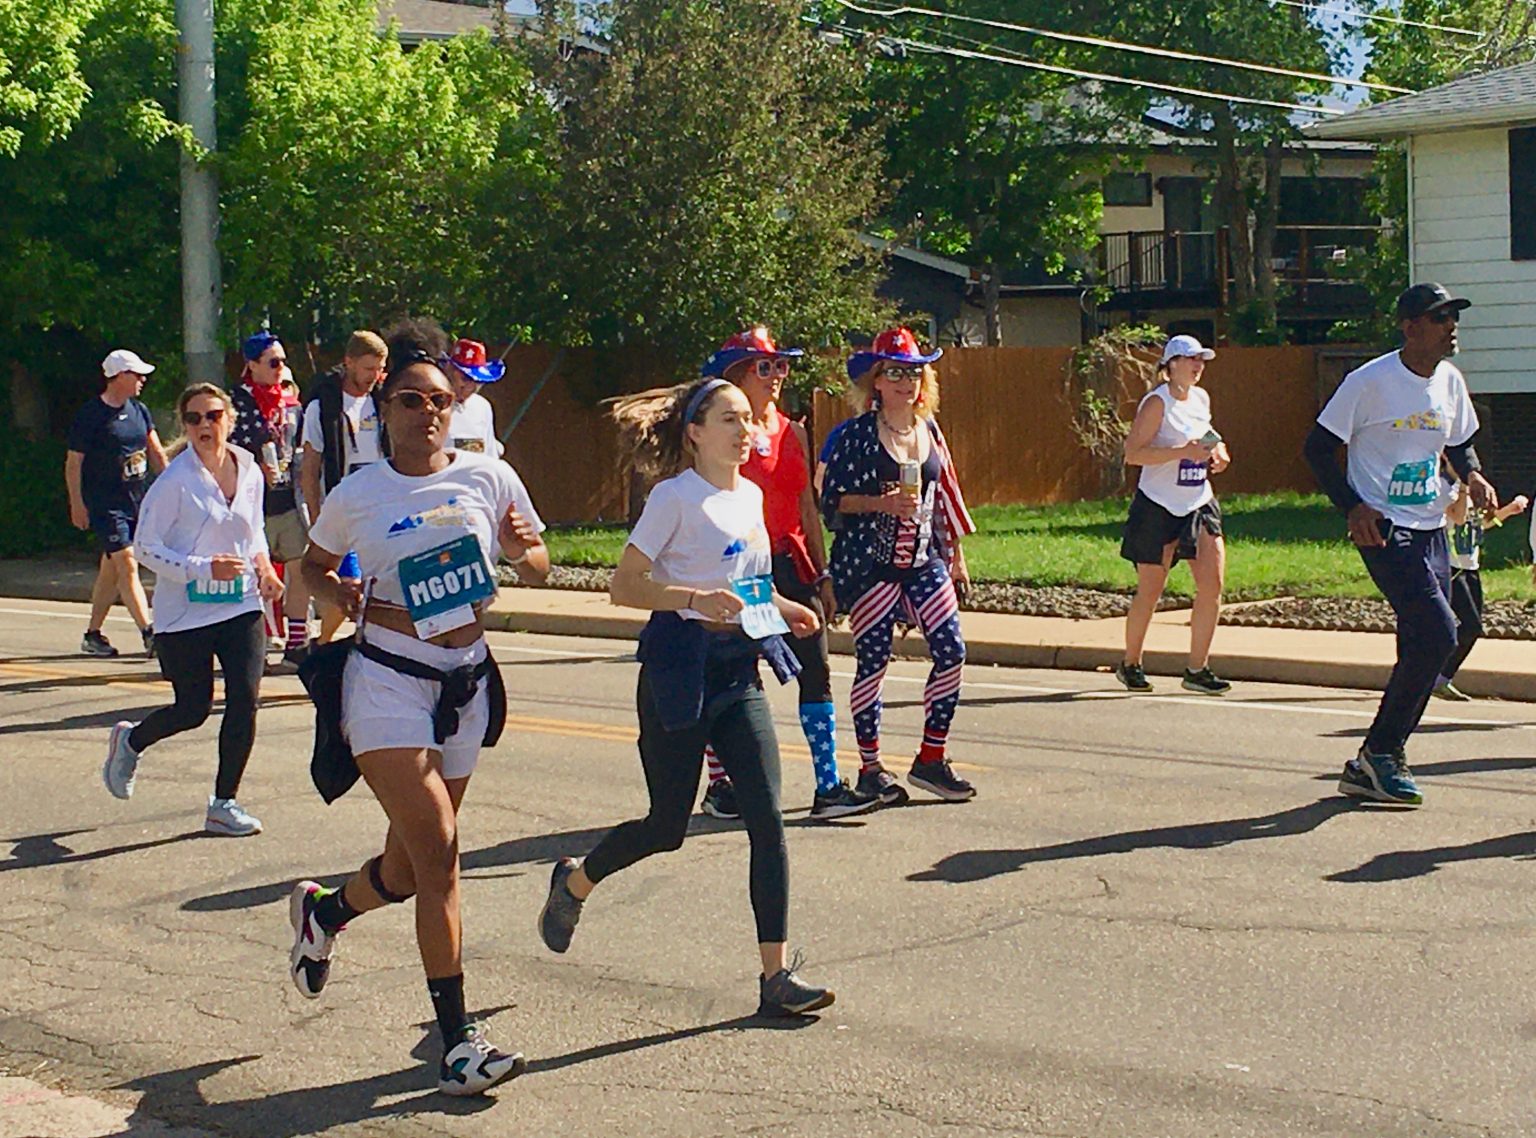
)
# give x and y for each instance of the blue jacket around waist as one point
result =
(687, 664)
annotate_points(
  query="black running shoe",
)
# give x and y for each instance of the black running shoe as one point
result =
(883, 785)
(842, 803)
(785, 994)
(720, 801)
(557, 920)
(1133, 676)
(1205, 682)
(940, 778)
(94, 643)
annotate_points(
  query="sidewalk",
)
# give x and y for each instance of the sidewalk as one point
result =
(1504, 669)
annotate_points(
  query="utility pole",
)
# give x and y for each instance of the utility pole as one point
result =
(202, 289)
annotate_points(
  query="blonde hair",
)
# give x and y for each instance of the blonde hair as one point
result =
(862, 391)
(651, 426)
(365, 343)
(192, 392)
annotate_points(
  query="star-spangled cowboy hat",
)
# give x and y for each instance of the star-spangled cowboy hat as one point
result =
(469, 357)
(753, 341)
(896, 345)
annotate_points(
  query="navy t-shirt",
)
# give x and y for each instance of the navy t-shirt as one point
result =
(115, 443)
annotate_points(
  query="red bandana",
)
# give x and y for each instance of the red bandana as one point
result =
(269, 399)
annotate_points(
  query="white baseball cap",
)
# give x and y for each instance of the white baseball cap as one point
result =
(1185, 346)
(123, 360)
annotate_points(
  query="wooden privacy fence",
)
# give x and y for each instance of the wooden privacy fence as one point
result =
(1005, 411)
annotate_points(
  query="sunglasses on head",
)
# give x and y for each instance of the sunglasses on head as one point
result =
(195, 418)
(771, 369)
(416, 400)
(901, 372)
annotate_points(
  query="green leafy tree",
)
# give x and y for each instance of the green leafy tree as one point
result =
(712, 174)
(41, 88)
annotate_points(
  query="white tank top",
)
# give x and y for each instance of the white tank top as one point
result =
(1180, 486)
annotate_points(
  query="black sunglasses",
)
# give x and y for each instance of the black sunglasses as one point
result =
(416, 400)
(195, 418)
(1445, 316)
(279, 362)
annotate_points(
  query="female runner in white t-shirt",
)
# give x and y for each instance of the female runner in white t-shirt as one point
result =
(1174, 513)
(425, 526)
(700, 559)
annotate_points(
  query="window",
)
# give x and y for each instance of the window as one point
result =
(1522, 194)
(1127, 189)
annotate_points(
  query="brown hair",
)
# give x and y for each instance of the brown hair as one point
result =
(651, 426)
(192, 392)
(365, 343)
(862, 391)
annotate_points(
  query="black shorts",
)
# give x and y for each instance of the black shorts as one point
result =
(114, 529)
(1150, 529)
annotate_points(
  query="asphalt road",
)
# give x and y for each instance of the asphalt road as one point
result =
(1156, 920)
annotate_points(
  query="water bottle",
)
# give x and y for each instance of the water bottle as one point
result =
(269, 455)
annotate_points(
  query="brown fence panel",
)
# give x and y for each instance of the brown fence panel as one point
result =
(1264, 402)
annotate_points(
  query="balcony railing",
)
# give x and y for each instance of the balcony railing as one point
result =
(1155, 260)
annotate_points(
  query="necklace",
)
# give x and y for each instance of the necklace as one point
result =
(907, 433)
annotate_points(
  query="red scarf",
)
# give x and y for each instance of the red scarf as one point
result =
(269, 399)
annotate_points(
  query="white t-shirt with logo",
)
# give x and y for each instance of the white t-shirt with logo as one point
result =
(359, 430)
(386, 516)
(1183, 485)
(473, 427)
(701, 537)
(1396, 424)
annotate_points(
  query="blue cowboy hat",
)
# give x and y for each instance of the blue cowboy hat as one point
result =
(751, 342)
(896, 345)
(469, 357)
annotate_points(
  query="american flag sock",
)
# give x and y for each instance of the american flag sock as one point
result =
(712, 763)
(819, 722)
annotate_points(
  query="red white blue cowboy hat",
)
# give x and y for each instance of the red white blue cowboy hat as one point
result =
(895, 345)
(469, 357)
(752, 342)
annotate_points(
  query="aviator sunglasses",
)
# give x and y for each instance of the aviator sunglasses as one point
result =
(195, 418)
(416, 400)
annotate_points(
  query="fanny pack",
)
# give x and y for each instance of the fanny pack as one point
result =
(332, 767)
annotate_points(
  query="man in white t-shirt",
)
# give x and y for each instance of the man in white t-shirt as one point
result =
(1397, 415)
(473, 427)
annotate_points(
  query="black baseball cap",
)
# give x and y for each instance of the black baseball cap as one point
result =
(1422, 299)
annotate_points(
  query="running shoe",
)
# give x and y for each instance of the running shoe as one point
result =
(474, 1066)
(1203, 682)
(557, 920)
(720, 801)
(883, 785)
(785, 994)
(940, 778)
(1354, 782)
(147, 635)
(842, 802)
(310, 961)
(1133, 676)
(1388, 777)
(122, 761)
(95, 643)
(1449, 691)
(228, 819)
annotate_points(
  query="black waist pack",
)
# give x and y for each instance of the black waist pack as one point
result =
(332, 767)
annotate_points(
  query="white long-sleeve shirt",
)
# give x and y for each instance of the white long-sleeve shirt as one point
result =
(184, 524)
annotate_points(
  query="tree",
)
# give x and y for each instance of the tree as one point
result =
(41, 88)
(712, 175)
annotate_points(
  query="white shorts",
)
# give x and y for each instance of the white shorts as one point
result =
(382, 708)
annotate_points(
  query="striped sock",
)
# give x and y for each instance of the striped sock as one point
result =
(298, 632)
(712, 763)
(932, 750)
(869, 755)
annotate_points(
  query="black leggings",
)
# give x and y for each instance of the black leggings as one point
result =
(815, 675)
(741, 728)
(186, 659)
(1467, 604)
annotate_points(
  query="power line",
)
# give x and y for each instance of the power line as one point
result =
(1117, 45)
(1170, 88)
(1379, 16)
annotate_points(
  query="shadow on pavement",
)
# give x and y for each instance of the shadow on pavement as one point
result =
(1403, 864)
(1460, 766)
(91, 719)
(660, 1038)
(1425, 729)
(46, 849)
(977, 865)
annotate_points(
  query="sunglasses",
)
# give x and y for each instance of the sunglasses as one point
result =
(770, 369)
(1445, 316)
(277, 363)
(195, 418)
(416, 400)
(901, 373)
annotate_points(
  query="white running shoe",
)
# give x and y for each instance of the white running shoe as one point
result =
(122, 761)
(474, 1066)
(228, 819)
(310, 961)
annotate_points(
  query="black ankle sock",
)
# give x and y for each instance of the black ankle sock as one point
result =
(447, 994)
(334, 912)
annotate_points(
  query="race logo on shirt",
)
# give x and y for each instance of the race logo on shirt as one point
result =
(450, 513)
(1431, 420)
(756, 542)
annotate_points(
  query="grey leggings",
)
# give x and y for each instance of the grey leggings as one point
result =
(740, 726)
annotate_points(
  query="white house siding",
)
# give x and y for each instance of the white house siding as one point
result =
(1460, 237)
